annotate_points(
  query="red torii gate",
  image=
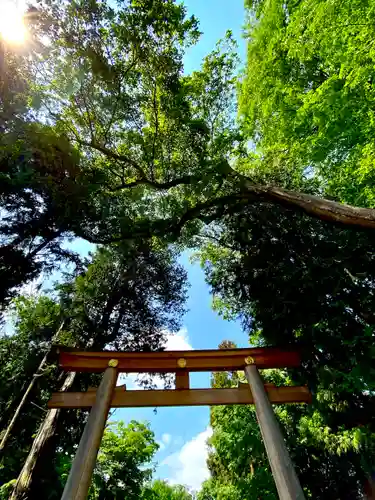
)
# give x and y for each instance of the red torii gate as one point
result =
(180, 363)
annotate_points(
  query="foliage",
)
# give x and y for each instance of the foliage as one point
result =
(162, 490)
(298, 282)
(53, 187)
(307, 94)
(138, 123)
(126, 298)
(120, 469)
(123, 466)
(112, 141)
(37, 321)
(41, 185)
(6, 489)
(306, 106)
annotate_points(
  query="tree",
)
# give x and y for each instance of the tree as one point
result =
(163, 143)
(164, 491)
(127, 298)
(20, 354)
(307, 92)
(302, 283)
(112, 141)
(41, 185)
(123, 469)
(120, 471)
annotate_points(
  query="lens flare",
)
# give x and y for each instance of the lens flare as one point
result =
(12, 27)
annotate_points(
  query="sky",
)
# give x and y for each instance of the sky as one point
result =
(182, 432)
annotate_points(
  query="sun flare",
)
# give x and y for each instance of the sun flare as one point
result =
(12, 27)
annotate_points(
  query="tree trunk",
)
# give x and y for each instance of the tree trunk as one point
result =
(27, 392)
(20, 406)
(45, 433)
(321, 208)
(331, 211)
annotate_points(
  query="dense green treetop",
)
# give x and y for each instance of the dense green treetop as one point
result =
(124, 298)
(307, 96)
(121, 468)
(112, 141)
(162, 490)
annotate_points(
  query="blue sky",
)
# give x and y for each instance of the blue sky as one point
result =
(182, 432)
(215, 18)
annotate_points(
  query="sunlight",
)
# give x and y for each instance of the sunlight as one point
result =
(12, 27)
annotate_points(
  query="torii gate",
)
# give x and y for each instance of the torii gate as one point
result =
(181, 363)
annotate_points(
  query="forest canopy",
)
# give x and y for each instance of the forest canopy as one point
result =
(265, 172)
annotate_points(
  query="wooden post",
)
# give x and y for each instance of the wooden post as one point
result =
(78, 483)
(182, 380)
(287, 482)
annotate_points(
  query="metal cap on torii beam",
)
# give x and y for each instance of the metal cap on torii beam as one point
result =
(181, 362)
(172, 361)
(284, 474)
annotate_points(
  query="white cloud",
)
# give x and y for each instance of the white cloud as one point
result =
(178, 341)
(166, 438)
(188, 466)
(174, 342)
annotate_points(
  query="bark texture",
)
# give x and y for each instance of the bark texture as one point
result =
(45, 433)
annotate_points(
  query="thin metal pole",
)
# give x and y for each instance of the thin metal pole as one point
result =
(287, 482)
(78, 483)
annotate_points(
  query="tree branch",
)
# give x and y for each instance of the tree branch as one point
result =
(245, 190)
(321, 208)
(331, 211)
(185, 179)
(111, 154)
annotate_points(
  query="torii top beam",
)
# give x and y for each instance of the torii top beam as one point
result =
(174, 361)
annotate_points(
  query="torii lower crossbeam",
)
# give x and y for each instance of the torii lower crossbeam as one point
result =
(180, 362)
(184, 397)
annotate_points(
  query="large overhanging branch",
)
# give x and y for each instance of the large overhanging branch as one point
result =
(331, 211)
(245, 190)
(321, 208)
